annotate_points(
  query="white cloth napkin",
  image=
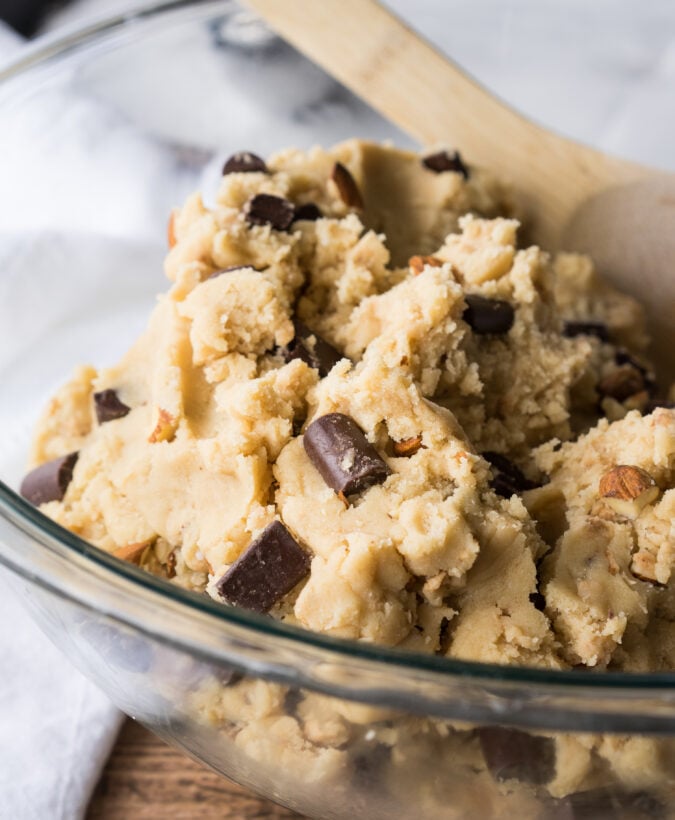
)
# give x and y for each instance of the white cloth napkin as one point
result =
(613, 89)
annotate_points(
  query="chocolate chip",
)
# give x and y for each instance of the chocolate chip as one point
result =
(508, 477)
(244, 162)
(268, 569)
(347, 187)
(308, 212)
(487, 316)
(49, 481)
(512, 754)
(109, 407)
(310, 348)
(573, 328)
(266, 209)
(621, 383)
(339, 450)
(443, 161)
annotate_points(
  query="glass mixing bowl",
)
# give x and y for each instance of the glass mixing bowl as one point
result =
(103, 133)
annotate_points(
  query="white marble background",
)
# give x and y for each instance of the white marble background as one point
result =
(599, 70)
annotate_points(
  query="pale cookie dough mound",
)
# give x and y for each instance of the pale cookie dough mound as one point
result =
(186, 462)
(235, 313)
(608, 513)
(524, 368)
(398, 551)
(66, 420)
(190, 457)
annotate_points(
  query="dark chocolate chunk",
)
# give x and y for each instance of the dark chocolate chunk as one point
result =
(309, 212)
(339, 450)
(510, 753)
(266, 209)
(269, 568)
(311, 349)
(244, 162)
(109, 407)
(347, 187)
(621, 383)
(49, 481)
(508, 477)
(572, 328)
(443, 161)
(486, 316)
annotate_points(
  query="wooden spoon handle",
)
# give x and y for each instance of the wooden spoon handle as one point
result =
(401, 75)
(383, 61)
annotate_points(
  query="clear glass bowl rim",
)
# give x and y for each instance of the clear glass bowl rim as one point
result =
(64, 545)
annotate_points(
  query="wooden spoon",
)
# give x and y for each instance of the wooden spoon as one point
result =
(573, 197)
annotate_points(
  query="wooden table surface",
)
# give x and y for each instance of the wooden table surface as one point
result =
(145, 779)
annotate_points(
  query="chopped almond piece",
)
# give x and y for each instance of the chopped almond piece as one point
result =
(418, 263)
(132, 552)
(628, 489)
(407, 447)
(165, 429)
(171, 230)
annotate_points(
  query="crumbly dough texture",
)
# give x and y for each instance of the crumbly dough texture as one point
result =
(432, 559)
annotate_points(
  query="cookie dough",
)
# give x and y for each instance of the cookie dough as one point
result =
(448, 442)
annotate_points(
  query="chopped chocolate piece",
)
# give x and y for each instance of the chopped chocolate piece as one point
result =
(244, 162)
(268, 569)
(510, 753)
(538, 600)
(508, 477)
(443, 161)
(408, 446)
(49, 481)
(266, 209)
(109, 407)
(339, 450)
(621, 383)
(572, 328)
(311, 349)
(347, 187)
(486, 316)
(309, 212)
